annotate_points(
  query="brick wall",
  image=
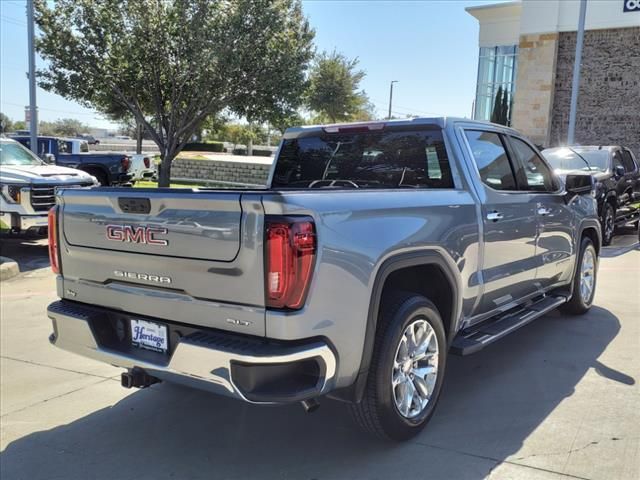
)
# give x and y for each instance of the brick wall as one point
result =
(221, 171)
(609, 96)
(533, 99)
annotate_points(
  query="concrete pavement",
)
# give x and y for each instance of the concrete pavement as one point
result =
(557, 399)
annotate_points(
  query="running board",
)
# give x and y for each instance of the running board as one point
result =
(479, 336)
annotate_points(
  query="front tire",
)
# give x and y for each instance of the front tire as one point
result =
(608, 223)
(407, 369)
(584, 280)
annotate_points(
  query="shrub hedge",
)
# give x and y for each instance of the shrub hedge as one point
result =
(204, 147)
(257, 152)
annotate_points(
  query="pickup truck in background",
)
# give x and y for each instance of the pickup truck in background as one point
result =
(374, 250)
(109, 168)
(617, 180)
(28, 188)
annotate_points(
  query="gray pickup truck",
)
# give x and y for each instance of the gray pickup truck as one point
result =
(374, 250)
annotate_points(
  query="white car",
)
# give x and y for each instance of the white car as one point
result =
(28, 188)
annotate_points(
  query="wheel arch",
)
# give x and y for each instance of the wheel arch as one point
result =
(391, 268)
(93, 167)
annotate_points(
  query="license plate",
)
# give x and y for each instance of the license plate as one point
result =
(149, 335)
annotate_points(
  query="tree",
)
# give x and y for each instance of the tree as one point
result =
(334, 88)
(504, 108)
(497, 106)
(6, 125)
(173, 63)
(501, 107)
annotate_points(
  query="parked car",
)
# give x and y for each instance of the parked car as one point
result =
(617, 177)
(90, 139)
(28, 187)
(109, 168)
(375, 250)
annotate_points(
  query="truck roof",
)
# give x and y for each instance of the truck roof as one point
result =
(441, 122)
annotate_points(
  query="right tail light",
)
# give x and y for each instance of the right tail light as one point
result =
(54, 251)
(126, 163)
(290, 255)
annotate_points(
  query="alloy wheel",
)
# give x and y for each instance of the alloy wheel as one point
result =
(587, 275)
(415, 368)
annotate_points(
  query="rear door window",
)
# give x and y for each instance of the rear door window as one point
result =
(391, 158)
(531, 170)
(491, 159)
(627, 161)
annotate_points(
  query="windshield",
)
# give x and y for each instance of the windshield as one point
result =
(15, 154)
(377, 159)
(577, 159)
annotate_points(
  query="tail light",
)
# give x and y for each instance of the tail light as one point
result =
(126, 163)
(290, 255)
(147, 162)
(54, 251)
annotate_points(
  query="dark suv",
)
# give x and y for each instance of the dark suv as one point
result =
(617, 177)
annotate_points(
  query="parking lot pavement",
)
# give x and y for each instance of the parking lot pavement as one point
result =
(557, 398)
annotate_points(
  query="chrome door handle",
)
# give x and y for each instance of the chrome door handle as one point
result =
(543, 211)
(494, 216)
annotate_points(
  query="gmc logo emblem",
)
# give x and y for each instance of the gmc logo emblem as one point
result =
(131, 234)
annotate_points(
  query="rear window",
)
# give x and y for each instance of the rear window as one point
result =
(379, 159)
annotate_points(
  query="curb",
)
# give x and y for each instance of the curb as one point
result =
(8, 268)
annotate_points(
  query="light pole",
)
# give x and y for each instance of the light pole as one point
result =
(391, 96)
(575, 83)
(33, 128)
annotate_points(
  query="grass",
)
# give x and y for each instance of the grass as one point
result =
(150, 184)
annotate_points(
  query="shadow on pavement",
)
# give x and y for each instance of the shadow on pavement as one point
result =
(626, 240)
(491, 403)
(31, 253)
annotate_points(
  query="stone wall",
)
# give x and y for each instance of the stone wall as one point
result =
(533, 98)
(223, 171)
(609, 96)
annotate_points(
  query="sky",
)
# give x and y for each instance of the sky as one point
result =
(430, 47)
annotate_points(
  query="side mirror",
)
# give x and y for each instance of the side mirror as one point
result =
(579, 184)
(49, 158)
(618, 171)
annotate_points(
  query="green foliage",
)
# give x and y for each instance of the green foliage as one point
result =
(6, 125)
(334, 89)
(63, 127)
(171, 64)
(204, 147)
(501, 107)
(257, 152)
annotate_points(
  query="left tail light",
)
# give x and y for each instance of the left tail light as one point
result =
(290, 256)
(126, 163)
(54, 251)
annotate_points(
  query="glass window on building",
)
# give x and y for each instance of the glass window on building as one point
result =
(496, 83)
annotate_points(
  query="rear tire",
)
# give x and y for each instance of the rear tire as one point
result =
(584, 280)
(100, 177)
(608, 223)
(398, 399)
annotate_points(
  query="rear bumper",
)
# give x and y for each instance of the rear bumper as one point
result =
(247, 368)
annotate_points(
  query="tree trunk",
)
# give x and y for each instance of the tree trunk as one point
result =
(250, 147)
(164, 177)
(138, 138)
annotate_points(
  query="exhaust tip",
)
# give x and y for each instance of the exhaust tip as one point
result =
(310, 405)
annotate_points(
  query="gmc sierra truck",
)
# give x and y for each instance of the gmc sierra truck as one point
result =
(373, 251)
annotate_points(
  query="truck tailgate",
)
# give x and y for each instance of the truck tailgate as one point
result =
(189, 256)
